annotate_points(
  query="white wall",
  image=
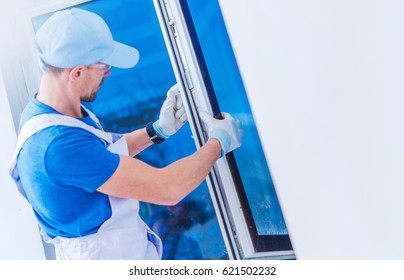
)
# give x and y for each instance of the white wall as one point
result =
(19, 235)
(325, 82)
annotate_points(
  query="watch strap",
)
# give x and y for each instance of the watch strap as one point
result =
(152, 134)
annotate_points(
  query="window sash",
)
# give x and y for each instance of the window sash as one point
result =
(237, 222)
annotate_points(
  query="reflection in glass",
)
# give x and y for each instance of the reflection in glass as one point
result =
(131, 98)
(232, 98)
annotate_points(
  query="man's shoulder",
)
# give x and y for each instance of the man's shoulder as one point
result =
(61, 137)
(34, 108)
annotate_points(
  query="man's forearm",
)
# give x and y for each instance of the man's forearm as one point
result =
(188, 173)
(165, 186)
(137, 141)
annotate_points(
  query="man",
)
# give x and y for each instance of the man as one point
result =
(83, 183)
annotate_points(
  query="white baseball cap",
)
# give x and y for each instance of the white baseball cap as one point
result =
(78, 37)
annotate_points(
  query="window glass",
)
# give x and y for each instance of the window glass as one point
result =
(232, 98)
(131, 98)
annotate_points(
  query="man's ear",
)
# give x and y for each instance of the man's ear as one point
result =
(76, 72)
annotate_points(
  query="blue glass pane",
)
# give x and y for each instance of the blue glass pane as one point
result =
(131, 98)
(232, 98)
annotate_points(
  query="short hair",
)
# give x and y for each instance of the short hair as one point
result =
(52, 69)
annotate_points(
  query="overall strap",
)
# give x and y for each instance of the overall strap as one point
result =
(92, 116)
(40, 122)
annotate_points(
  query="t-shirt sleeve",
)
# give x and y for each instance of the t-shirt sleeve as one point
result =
(80, 159)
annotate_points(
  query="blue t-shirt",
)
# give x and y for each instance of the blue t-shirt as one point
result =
(61, 169)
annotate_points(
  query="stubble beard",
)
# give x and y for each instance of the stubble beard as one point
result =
(93, 95)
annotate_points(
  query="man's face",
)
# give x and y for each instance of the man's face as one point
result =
(97, 73)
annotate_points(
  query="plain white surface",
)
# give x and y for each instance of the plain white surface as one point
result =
(325, 82)
(19, 234)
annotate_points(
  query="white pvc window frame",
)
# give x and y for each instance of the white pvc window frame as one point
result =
(221, 185)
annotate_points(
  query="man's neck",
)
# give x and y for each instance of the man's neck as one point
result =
(56, 92)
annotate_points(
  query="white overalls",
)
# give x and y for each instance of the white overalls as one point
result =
(124, 235)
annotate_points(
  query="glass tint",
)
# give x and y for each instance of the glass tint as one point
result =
(131, 98)
(232, 98)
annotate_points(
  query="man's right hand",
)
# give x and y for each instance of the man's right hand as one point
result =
(227, 130)
(172, 114)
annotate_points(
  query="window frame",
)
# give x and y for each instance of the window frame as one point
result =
(231, 205)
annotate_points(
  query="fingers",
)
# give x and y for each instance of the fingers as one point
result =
(179, 109)
(178, 101)
(173, 94)
(226, 115)
(172, 99)
(181, 115)
(205, 117)
(169, 102)
(173, 90)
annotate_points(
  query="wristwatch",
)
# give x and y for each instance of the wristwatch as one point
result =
(152, 134)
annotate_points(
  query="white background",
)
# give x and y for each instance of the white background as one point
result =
(325, 81)
(19, 233)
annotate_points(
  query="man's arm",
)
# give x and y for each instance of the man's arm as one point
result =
(137, 141)
(164, 186)
(168, 185)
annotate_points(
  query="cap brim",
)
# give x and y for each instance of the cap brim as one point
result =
(123, 56)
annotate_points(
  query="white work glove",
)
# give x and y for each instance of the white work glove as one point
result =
(227, 130)
(172, 114)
